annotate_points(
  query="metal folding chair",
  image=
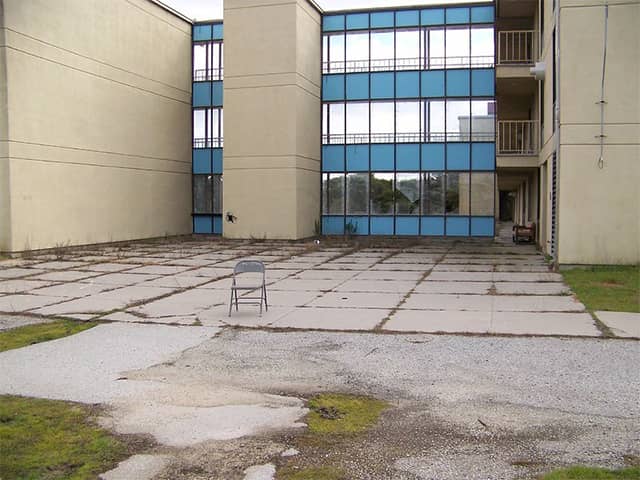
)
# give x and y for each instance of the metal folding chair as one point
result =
(248, 266)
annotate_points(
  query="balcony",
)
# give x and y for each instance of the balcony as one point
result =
(517, 143)
(516, 52)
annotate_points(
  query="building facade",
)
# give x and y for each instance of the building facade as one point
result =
(426, 121)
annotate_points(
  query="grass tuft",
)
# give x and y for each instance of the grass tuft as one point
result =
(41, 332)
(48, 439)
(319, 473)
(343, 414)
(589, 473)
(610, 288)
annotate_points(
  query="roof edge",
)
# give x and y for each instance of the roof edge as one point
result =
(172, 11)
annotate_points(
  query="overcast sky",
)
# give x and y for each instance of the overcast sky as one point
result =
(212, 9)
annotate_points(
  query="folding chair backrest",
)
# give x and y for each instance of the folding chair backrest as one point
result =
(249, 266)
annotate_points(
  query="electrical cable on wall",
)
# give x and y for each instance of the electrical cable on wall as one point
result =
(602, 102)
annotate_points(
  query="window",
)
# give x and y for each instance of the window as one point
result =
(457, 193)
(199, 128)
(333, 194)
(357, 52)
(333, 123)
(357, 193)
(334, 62)
(358, 122)
(200, 61)
(382, 194)
(482, 194)
(483, 120)
(407, 194)
(482, 48)
(408, 121)
(433, 115)
(217, 194)
(458, 115)
(207, 61)
(435, 42)
(382, 122)
(202, 193)
(457, 54)
(408, 50)
(382, 50)
(433, 193)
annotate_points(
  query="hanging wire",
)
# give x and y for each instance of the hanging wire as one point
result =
(602, 101)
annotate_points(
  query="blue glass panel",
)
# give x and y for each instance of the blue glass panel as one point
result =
(202, 224)
(381, 225)
(482, 82)
(457, 15)
(482, 15)
(407, 225)
(201, 32)
(217, 94)
(332, 225)
(432, 226)
(407, 84)
(408, 156)
(432, 16)
(458, 83)
(433, 156)
(483, 156)
(202, 94)
(407, 18)
(381, 19)
(381, 157)
(333, 158)
(217, 224)
(357, 158)
(217, 160)
(458, 156)
(217, 31)
(457, 226)
(433, 83)
(357, 21)
(357, 86)
(332, 23)
(482, 226)
(382, 85)
(361, 225)
(201, 160)
(333, 87)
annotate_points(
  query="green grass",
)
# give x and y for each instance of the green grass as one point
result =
(46, 440)
(41, 332)
(588, 473)
(615, 288)
(343, 414)
(320, 473)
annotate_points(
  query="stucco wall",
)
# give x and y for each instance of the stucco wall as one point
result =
(599, 205)
(5, 215)
(272, 118)
(99, 103)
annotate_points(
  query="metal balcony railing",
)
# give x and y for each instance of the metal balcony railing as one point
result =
(408, 137)
(517, 47)
(517, 137)
(208, 75)
(417, 63)
(215, 142)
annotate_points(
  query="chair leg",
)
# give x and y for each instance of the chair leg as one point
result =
(236, 292)
(266, 304)
(230, 302)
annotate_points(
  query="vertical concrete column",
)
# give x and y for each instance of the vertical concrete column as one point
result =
(5, 207)
(272, 118)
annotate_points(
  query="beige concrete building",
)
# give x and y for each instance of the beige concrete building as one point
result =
(272, 118)
(95, 106)
(569, 141)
